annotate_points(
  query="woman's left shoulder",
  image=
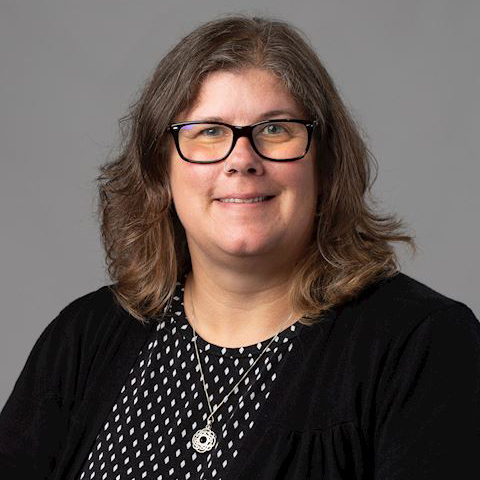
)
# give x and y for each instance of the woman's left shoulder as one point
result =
(401, 303)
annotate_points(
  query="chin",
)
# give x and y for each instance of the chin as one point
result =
(248, 247)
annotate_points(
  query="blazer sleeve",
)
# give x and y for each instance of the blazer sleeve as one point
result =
(32, 420)
(37, 416)
(428, 401)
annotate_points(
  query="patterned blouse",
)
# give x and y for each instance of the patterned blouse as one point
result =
(149, 431)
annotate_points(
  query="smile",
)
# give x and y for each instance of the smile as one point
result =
(244, 200)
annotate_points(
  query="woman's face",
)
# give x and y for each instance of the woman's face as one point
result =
(278, 228)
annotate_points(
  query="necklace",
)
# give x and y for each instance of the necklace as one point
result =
(205, 439)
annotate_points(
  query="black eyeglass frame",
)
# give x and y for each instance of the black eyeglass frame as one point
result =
(245, 131)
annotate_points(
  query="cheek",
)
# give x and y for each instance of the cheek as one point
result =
(191, 185)
(301, 180)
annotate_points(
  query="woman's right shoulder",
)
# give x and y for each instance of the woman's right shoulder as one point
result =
(93, 303)
(88, 317)
(90, 328)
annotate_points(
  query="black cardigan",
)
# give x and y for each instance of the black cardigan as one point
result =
(386, 387)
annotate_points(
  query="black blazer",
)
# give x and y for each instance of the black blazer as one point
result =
(385, 387)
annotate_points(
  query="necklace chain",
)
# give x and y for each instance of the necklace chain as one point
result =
(205, 439)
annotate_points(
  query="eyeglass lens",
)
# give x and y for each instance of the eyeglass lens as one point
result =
(210, 141)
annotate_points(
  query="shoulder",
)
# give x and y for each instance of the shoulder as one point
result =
(97, 300)
(86, 333)
(87, 319)
(394, 307)
(95, 305)
(406, 293)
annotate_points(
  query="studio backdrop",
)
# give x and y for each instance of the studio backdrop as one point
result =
(69, 70)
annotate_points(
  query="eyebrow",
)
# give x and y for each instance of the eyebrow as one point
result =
(264, 116)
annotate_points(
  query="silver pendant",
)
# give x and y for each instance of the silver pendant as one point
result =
(204, 439)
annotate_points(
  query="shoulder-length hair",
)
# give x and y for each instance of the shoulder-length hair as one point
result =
(144, 241)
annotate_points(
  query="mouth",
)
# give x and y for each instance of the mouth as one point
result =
(246, 200)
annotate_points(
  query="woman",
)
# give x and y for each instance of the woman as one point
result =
(258, 326)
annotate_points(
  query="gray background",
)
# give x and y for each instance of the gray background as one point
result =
(68, 69)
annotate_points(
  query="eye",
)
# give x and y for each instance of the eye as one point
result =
(211, 132)
(273, 129)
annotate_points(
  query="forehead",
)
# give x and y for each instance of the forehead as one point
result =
(244, 96)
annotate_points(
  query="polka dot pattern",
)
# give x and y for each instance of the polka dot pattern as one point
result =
(148, 433)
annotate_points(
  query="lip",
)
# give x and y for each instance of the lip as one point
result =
(245, 196)
(236, 203)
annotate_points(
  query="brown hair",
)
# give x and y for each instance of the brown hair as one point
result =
(144, 241)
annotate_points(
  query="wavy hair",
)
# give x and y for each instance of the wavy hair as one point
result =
(144, 241)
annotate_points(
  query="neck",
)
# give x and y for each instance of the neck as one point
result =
(237, 308)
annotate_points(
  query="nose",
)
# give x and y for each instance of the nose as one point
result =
(243, 159)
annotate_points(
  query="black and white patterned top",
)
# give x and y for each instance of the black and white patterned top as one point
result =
(148, 433)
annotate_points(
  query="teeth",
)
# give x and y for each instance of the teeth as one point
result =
(240, 200)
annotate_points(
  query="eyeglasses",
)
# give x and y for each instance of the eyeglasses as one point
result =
(209, 142)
